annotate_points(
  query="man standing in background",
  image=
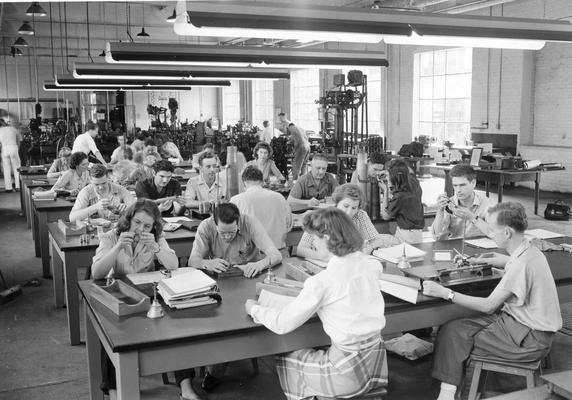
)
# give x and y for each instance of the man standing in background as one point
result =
(300, 149)
(268, 133)
(10, 139)
(283, 123)
(85, 142)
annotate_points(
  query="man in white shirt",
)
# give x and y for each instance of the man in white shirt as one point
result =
(10, 139)
(268, 133)
(282, 124)
(86, 144)
(209, 186)
(270, 208)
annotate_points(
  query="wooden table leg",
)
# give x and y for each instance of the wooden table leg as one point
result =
(35, 236)
(72, 299)
(501, 187)
(93, 357)
(536, 192)
(58, 274)
(127, 376)
(43, 242)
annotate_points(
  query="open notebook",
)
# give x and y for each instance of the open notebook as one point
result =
(394, 253)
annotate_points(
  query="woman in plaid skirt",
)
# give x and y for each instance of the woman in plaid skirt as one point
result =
(348, 301)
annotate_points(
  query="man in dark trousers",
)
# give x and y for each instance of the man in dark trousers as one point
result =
(165, 191)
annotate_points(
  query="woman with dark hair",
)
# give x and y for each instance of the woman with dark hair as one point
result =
(350, 199)
(75, 178)
(263, 161)
(133, 246)
(403, 202)
(348, 301)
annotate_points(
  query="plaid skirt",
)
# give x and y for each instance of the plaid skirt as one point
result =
(333, 372)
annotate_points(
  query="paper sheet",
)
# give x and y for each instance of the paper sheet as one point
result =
(542, 234)
(142, 278)
(483, 243)
(269, 299)
(403, 292)
(176, 219)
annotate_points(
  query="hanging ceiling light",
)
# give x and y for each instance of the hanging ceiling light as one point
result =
(68, 80)
(51, 87)
(143, 33)
(26, 29)
(239, 56)
(14, 51)
(173, 17)
(36, 10)
(283, 21)
(157, 72)
(20, 42)
(460, 41)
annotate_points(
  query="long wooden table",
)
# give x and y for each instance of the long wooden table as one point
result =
(138, 346)
(68, 254)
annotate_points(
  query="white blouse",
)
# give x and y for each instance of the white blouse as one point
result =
(346, 297)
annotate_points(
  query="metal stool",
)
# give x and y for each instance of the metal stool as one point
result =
(373, 394)
(530, 371)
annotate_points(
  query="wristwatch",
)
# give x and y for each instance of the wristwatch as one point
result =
(451, 296)
(475, 219)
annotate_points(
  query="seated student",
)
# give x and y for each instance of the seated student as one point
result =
(350, 199)
(206, 187)
(207, 148)
(522, 312)
(270, 208)
(230, 239)
(101, 197)
(403, 202)
(144, 168)
(150, 149)
(356, 362)
(465, 211)
(134, 246)
(122, 172)
(313, 188)
(75, 178)
(169, 150)
(138, 144)
(375, 167)
(263, 161)
(121, 153)
(60, 164)
(165, 191)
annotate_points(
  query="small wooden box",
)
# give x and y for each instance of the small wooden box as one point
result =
(121, 298)
(300, 270)
(71, 228)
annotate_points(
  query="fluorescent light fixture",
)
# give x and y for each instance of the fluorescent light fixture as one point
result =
(240, 56)
(26, 29)
(460, 41)
(36, 10)
(51, 87)
(271, 20)
(119, 71)
(67, 80)
(20, 42)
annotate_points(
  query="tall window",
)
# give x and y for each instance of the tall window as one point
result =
(262, 102)
(442, 94)
(374, 111)
(230, 104)
(304, 91)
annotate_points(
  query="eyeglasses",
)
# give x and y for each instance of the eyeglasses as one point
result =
(227, 234)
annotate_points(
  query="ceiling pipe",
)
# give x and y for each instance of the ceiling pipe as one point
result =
(475, 5)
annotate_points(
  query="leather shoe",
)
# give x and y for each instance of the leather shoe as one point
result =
(210, 383)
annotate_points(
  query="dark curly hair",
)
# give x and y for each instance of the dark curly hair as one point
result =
(146, 205)
(344, 237)
(76, 159)
(262, 145)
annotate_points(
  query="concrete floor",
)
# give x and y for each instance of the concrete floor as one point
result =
(36, 361)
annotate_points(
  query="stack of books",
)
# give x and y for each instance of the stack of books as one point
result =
(191, 289)
(44, 195)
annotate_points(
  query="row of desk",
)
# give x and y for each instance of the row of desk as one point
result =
(212, 334)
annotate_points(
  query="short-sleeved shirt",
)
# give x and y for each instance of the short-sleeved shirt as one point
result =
(70, 180)
(85, 144)
(535, 300)
(59, 165)
(307, 187)
(452, 227)
(268, 169)
(250, 240)
(148, 190)
(197, 188)
(117, 195)
(407, 209)
(270, 208)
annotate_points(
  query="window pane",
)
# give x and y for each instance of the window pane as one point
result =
(439, 131)
(426, 88)
(439, 87)
(440, 62)
(457, 133)
(425, 128)
(438, 110)
(426, 61)
(459, 60)
(458, 86)
(425, 110)
(458, 110)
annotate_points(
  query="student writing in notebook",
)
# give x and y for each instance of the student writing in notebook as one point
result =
(134, 246)
(348, 301)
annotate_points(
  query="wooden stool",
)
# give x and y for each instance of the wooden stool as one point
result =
(374, 394)
(530, 371)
